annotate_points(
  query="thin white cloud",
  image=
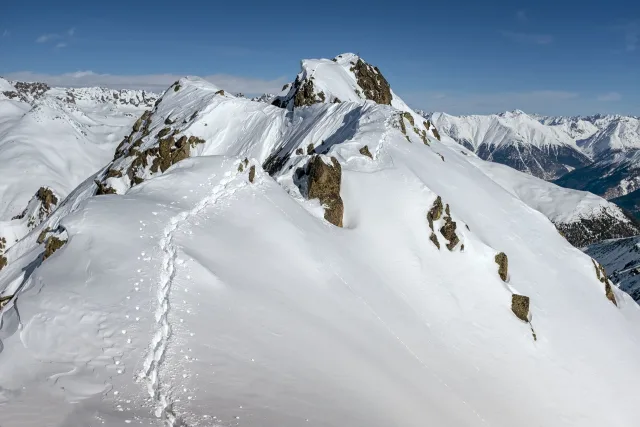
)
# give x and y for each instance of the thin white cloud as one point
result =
(528, 38)
(521, 15)
(150, 82)
(610, 97)
(47, 37)
(61, 45)
(5, 33)
(66, 35)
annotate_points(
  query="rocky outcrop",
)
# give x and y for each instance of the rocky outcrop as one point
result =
(602, 277)
(372, 83)
(48, 201)
(520, 307)
(137, 163)
(434, 239)
(448, 230)
(365, 151)
(435, 212)
(503, 266)
(53, 244)
(322, 182)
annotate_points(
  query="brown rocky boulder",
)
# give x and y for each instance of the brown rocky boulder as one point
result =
(503, 265)
(520, 307)
(324, 183)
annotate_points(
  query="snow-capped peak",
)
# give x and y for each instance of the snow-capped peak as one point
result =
(348, 78)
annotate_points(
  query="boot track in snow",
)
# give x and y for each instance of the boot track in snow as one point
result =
(159, 391)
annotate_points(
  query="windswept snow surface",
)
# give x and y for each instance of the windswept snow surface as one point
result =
(200, 298)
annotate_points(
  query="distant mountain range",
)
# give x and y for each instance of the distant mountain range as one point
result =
(599, 153)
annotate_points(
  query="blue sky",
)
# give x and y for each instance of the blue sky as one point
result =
(551, 57)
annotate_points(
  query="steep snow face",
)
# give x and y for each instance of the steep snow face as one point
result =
(515, 139)
(582, 217)
(621, 260)
(211, 293)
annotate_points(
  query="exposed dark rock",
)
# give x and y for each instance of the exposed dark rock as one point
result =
(372, 82)
(365, 151)
(435, 133)
(434, 239)
(163, 132)
(3, 262)
(252, 173)
(194, 140)
(601, 274)
(43, 235)
(220, 92)
(310, 149)
(403, 128)
(47, 199)
(299, 151)
(182, 150)
(52, 245)
(503, 266)
(103, 189)
(305, 95)
(409, 118)
(240, 167)
(448, 231)
(435, 212)
(114, 173)
(520, 307)
(4, 299)
(324, 183)
(168, 121)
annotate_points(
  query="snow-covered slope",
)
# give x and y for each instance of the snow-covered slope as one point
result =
(515, 139)
(582, 217)
(209, 292)
(621, 260)
(56, 138)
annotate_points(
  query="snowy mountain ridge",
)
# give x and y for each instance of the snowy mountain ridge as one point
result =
(326, 264)
(595, 153)
(54, 138)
